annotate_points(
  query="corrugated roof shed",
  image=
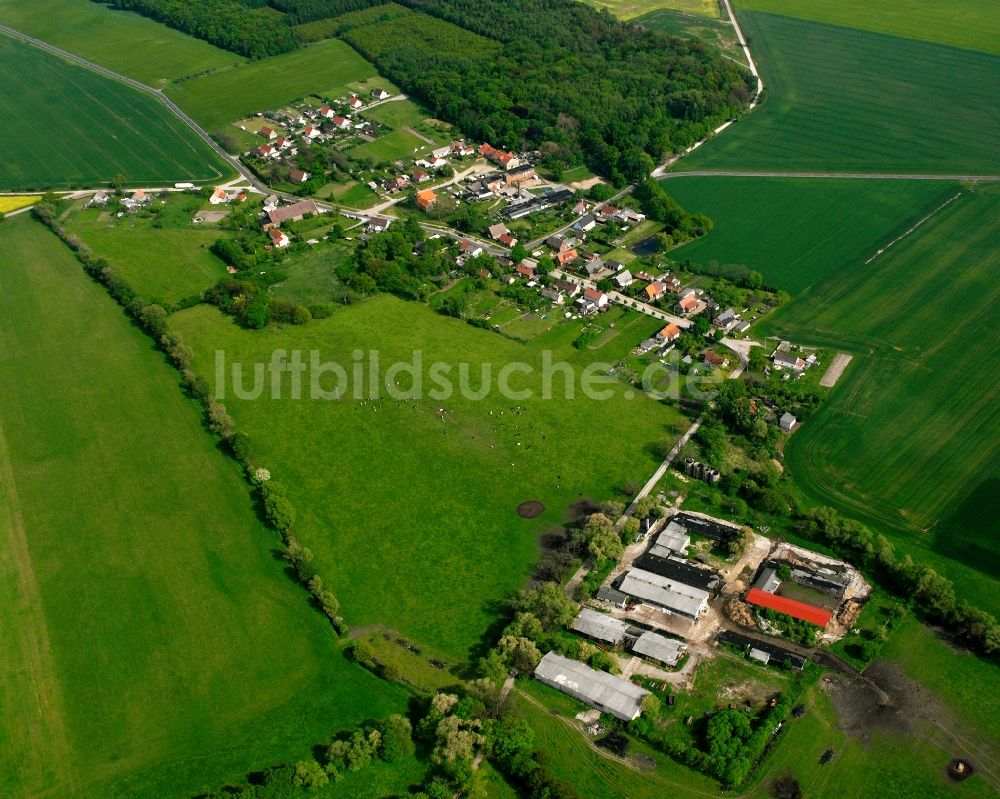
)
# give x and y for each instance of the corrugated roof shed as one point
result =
(601, 690)
(599, 626)
(760, 656)
(658, 647)
(782, 604)
(612, 595)
(768, 580)
(670, 594)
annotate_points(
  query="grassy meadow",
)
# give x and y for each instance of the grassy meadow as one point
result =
(410, 506)
(122, 41)
(685, 23)
(798, 232)
(970, 24)
(166, 258)
(908, 439)
(325, 68)
(839, 99)
(153, 645)
(630, 9)
(74, 128)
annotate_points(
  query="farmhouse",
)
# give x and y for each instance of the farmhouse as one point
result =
(504, 159)
(292, 213)
(687, 305)
(100, 199)
(600, 690)
(592, 300)
(654, 290)
(566, 257)
(267, 133)
(311, 132)
(657, 647)
(354, 103)
(379, 224)
(380, 94)
(787, 360)
(298, 176)
(218, 197)
(622, 279)
(669, 334)
(469, 248)
(342, 123)
(599, 626)
(663, 592)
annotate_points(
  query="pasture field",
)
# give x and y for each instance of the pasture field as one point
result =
(630, 9)
(153, 645)
(839, 99)
(166, 258)
(797, 232)
(909, 437)
(971, 24)
(122, 41)
(410, 506)
(709, 29)
(75, 128)
(325, 68)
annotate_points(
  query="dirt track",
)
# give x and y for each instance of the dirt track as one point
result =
(835, 370)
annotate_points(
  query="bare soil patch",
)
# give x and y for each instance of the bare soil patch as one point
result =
(835, 370)
(530, 509)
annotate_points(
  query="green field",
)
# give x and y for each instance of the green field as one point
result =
(630, 9)
(153, 646)
(74, 128)
(972, 24)
(796, 232)
(411, 511)
(119, 40)
(709, 29)
(325, 69)
(839, 99)
(909, 438)
(165, 260)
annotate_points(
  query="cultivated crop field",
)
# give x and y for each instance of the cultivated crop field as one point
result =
(797, 232)
(847, 100)
(324, 68)
(972, 24)
(410, 507)
(119, 40)
(74, 128)
(153, 645)
(166, 258)
(910, 434)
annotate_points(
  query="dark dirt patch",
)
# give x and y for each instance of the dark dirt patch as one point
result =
(580, 510)
(530, 509)
(960, 770)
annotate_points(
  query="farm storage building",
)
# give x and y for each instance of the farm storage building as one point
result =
(657, 647)
(600, 690)
(599, 626)
(666, 593)
(792, 607)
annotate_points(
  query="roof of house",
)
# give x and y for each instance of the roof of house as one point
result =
(665, 592)
(670, 331)
(616, 696)
(791, 607)
(302, 207)
(276, 235)
(689, 302)
(658, 647)
(600, 626)
(787, 420)
(654, 289)
(426, 196)
(593, 294)
(497, 230)
(298, 174)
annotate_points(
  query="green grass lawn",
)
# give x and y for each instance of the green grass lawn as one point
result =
(908, 438)
(392, 146)
(119, 40)
(323, 68)
(311, 277)
(796, 232)
(629, 9)
(840, 99)
(75, 128)
(972, 24)
(411, 512)
(153, 646)
(165, 263)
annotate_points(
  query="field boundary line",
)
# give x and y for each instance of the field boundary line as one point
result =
(29, 637)
(918, 224)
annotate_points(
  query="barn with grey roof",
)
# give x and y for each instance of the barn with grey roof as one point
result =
(600, 626)
(663, 592)
(658, 647)
(600, 690)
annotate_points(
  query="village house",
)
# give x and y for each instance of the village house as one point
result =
(426, 199)
(341, 123)
(298, 176)
(278, 238)
(282, 143)
(687, 304)
(270, 203)
(354, 103)
(580, 208)
(378, 224)
(568, 287)
(419, 175)
(100, 199)
(654, 290)
(622, 280)
(500, 157)
(566, 257)
(585, 224)
(507, 240)
(787, 360)
(594, 265)
(497, 230)
(714, 361)
(592, 300)
(268, 151)
(469, 248)
(219, 197)
(312, 132)
(380, 94)
(669, 334)
(395, 184)
(553, 296)
(726, 319)
(267, 133)
(526, 270)
(326, 112)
